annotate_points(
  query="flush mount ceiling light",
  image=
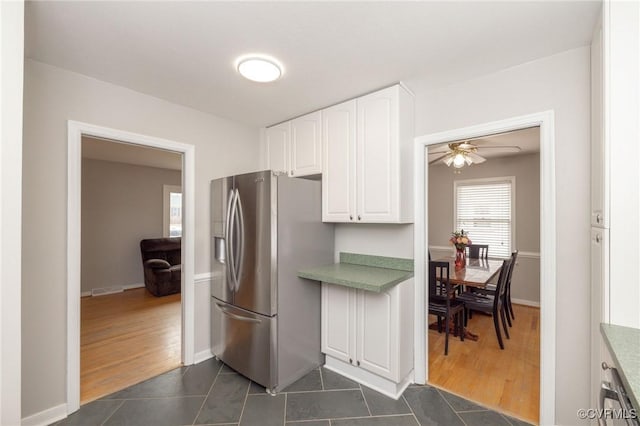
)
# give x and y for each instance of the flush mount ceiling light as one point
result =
(259, 68)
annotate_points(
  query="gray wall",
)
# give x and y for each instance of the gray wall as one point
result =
(121, 205)
(559, 83)
(526, 169)
(51, 97)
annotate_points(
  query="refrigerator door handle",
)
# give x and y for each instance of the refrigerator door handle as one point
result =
(236, 316)
(230, 241)
(240, 240)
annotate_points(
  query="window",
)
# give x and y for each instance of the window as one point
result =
(484, 208)
(172, 211)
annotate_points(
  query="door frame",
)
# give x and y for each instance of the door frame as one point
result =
(545, 120)
(75, 131)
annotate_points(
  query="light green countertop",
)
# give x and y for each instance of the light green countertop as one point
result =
(624, 345)
(372, 273)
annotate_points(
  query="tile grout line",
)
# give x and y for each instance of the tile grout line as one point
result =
(204, 401)
(285, 410)
(505, 417)
(113, 412)
(246, 396)
(321, 379)
(451, 406)
(365, 401)
(410, 409)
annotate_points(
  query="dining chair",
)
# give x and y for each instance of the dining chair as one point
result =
(490, 305)
(478, 251)
(442, 303)
(490, 290)
(507, 297)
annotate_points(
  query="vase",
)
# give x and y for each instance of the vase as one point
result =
(461, 258)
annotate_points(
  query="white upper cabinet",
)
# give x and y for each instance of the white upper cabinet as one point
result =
(339, 172)
(295, 147)
(379, 172)
(306, 145)
(278, 143)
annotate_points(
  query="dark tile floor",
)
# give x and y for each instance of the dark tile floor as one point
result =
(210, 393)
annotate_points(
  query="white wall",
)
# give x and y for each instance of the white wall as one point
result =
(121, 205)
(560, 83)
(53, 96)
(11, 68)
(526, 170)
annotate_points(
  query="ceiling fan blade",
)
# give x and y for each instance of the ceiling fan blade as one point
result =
(476, 158)
(505, 148)
(437, 159)
(439, 152)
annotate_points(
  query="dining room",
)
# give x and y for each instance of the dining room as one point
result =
(484, 252)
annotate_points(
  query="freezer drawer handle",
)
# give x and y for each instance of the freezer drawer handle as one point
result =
(234, 316)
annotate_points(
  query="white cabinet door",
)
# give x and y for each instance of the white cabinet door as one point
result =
(338, 326)
(306, 145)
(278, 142)
(599, 150)
(377, 156)
(338, 171)
(377, 325)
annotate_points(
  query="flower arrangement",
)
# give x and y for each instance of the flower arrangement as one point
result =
(460, 239)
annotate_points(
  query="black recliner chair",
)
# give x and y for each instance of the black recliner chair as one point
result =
(161, 259)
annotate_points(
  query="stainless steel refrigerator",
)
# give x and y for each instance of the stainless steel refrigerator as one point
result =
(266, 320)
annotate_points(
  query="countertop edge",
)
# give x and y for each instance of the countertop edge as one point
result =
(356, 284)
(615, 355)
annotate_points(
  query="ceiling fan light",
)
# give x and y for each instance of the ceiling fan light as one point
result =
(448, 161)
(459, 160)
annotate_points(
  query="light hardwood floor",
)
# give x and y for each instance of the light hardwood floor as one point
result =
(505, 380)
(126, 338)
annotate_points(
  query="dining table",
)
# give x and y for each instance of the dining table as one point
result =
(476, 273)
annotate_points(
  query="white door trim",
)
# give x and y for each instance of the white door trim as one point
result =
(74, 174)
(547, 245)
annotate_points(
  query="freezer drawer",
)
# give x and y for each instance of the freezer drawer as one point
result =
(245, 341)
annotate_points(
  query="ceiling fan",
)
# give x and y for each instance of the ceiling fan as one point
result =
(461, 153)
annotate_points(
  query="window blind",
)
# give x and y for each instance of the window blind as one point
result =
(483, 210)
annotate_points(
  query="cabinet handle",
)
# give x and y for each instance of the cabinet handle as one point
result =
(350, 361)
(597, 238)
(358, 363)
(350, 217)
(598, 218)
(359, 218)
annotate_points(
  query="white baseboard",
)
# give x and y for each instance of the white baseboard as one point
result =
(202, 356)
(132, 286)
(525, 302)
(123, 288)
(46, 417)
(373, 381)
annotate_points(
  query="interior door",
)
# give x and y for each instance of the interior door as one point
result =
(253, 262)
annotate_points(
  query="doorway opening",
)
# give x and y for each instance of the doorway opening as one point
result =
(99, 272)
(547, 247)
(130, 194)
(489, 187)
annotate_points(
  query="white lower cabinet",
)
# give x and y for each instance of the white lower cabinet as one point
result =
(368, 336)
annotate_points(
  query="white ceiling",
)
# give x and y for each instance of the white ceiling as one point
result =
(184, 52)
(119, 152)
